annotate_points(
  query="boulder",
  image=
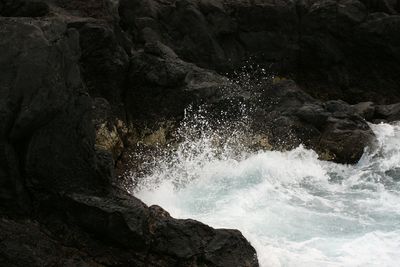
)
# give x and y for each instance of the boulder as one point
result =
(292, 117)
(388, 112)
(127, 222)
(131, 234)
(378, 113)
(365, 110)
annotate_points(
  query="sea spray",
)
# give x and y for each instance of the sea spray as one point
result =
(294, 208)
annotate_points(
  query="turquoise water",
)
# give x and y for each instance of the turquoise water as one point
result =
(295, 210)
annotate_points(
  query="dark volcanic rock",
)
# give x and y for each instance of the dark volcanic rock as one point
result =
(388, 112)
(346, 139)
(216, 34)
(130, 234)
(57, 202)
(104, 61)
(129, 223)
(41, 101)
(26, 243)
(105, 10)
(365, 110)
(291, 117)
(378, 113)
(162, 85)
(23, 8)
(389, 7)
(58, 199)
(335, 49)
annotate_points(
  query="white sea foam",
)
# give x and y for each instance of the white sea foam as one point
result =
(295, 209)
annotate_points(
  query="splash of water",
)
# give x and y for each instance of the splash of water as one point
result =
(295, 209)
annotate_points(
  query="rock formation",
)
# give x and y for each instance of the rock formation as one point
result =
(83, 83)
(59, 206)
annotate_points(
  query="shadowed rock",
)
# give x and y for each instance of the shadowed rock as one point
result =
(53, 177)
(58, 199)
(23, 8)
(292, 117)
(334, 49)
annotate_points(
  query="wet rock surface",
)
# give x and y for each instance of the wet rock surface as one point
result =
(332, 128)
(84, 85)
(378, 113)
(59, 204)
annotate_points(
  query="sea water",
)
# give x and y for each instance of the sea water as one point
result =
(295, 209)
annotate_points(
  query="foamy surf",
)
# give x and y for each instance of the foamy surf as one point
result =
(295, 209)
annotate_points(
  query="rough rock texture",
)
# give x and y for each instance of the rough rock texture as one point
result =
(110, 131)
(23, 8)
(336, 49)
(58, 203)
(84, 83)
(104, 61)
(163, 85)
(288, 117)
(332, 128)
(378, 113)
(135, 64)
(41, 101)
(116, 231)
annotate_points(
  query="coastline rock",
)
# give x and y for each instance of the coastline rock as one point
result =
(55, 182)
(109, 130)
(378, 113)
(292, 117)
(46, 110)
(163, 86)
(388, 112)
(365, 110)
(131, 234)
(104, 62)
(58, 198)
(23, 8)
(334, 49)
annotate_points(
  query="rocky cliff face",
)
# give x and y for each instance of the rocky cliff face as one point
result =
(85, 83)
(58, 204)
(334, 49)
